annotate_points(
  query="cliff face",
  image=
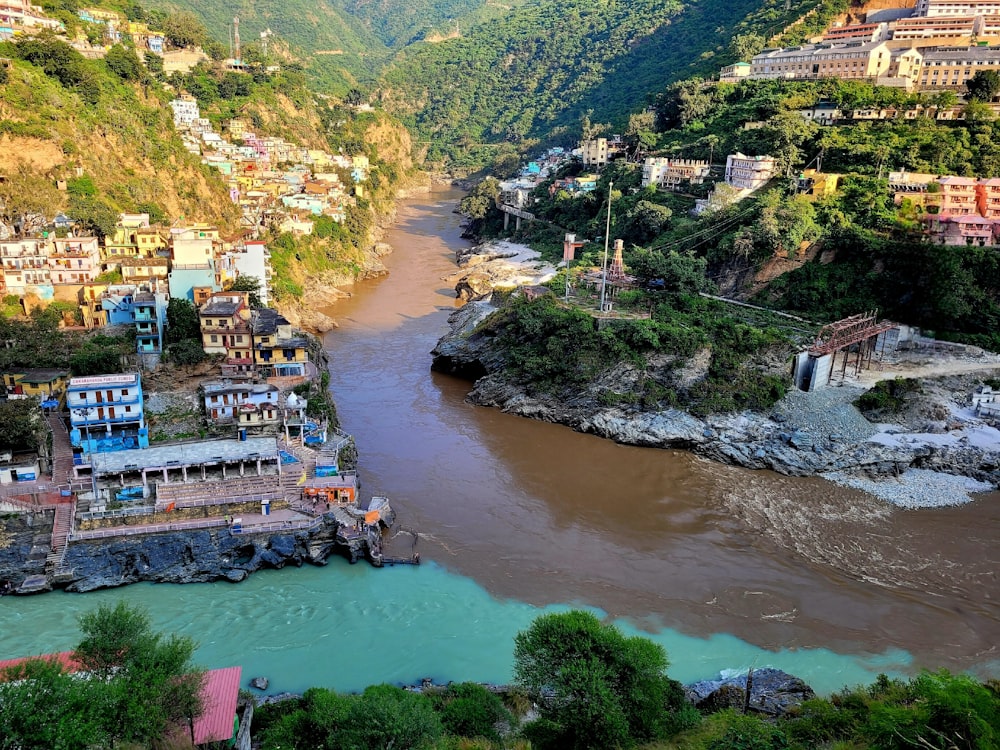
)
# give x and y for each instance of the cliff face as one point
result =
(193, 557)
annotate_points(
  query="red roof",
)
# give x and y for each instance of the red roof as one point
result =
(220, 694)
(65, 658)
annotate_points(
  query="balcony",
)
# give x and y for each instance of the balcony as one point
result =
(145, 316)
(78, 403)
(239, 361)
(146, 329)
(77, 420)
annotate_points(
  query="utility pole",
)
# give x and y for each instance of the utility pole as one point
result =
(607, 236)
(569, 251)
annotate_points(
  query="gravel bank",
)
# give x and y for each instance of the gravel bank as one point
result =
(915, 488)
(825, 412)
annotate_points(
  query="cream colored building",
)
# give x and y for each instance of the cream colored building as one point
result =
(811, 61)
(951, 67)
(749, 172)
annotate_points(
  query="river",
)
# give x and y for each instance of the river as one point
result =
(725, 567)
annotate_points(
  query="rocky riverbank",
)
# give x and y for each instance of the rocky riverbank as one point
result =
(197, 556)
(805, 434)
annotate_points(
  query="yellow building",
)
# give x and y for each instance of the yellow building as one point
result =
(277, 350)
(43, 384)
(225, 328)
(140, 270)
(815, 185)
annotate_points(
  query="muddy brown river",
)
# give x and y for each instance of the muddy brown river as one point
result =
(539, 513)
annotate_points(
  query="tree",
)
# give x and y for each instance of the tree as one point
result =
(27, 199)
(984, 85)
(481, 199)
(21, 425)
(249, 284)
(183, 29)
(124, 63)
(154, 63)
(744, 46)
(182, 321)
(94, 213)
(136, 684)
(596, 688)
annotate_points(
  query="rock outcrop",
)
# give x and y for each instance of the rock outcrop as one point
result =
(193, 556)
(803, 435)
(496, 265)
(772, 692)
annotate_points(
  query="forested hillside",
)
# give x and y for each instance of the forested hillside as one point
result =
(339, 51)
(399, 24)
(536, 75)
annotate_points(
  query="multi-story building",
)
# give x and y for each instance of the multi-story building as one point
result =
(969, 229)
(149, 311)
(185, 111)
(988, 198)
(277, 350)
(749, 172)
(951, 67)
(106, 413)
(931, 8)
(851, 60)
(245, 404)
(25, 266)
(144, 270)
(958, 195)
(734, 73)
(193, 253)
(859, 32)
(251, 258)
(925, 32)
(597, 152)
(225, 329)
(670, 174)
(75, 260)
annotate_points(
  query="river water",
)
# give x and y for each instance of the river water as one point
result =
(725, 567)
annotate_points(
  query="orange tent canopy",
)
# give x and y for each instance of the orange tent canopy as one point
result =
(372, 516)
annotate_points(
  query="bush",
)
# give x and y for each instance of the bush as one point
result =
(186, 352)
(470, 710)
(747, 732)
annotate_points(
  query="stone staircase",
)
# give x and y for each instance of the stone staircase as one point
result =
(62, 451)
(62, 525)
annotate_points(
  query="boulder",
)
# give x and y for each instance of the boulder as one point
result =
(773, 692)
(259, 683)
(474, 286)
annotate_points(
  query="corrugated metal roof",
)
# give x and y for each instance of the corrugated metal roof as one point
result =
(64, 657)
(220, 694)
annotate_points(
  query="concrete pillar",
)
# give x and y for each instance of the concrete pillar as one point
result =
(506, 220)
(223, 470)
(203, 477)
(166, 479)
(258, 467)
(517, 222)
(184, 471)
(241, 467)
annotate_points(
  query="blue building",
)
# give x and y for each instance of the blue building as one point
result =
(106, 413)
(149, 310)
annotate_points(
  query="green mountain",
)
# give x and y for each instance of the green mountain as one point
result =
(399, 24)
(536, 75)
(338, 50)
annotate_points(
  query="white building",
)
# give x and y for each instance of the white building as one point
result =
(251, 259)
(185, 111)
(749, 172)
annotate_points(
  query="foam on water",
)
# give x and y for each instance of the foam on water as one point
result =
(349, 626)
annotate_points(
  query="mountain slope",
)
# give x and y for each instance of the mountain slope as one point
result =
(537, 73)
(339, 49)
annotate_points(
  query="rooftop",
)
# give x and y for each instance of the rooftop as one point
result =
(35, 376)
(192, 453)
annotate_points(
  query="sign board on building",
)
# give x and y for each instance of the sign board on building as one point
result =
(102, 380)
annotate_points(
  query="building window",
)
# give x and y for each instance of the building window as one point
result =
(215, 338)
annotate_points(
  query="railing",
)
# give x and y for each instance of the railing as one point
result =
(290, 525)
(78, 422)
(156, 528)
(142, 510)
(162, 505)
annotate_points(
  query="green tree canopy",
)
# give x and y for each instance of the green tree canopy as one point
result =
(137, 684)
(984, 85)
(182, 321)
(596, 687)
